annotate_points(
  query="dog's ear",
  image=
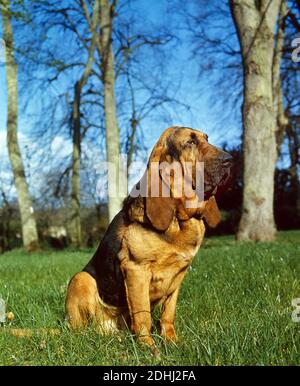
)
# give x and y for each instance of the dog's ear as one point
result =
(211, 212)
(160, 211)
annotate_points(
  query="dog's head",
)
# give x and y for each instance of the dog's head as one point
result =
(172, 177)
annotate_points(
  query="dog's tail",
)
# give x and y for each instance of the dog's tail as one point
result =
(29, 332)
(26, 332)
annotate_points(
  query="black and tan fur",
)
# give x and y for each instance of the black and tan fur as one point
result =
(148, 247)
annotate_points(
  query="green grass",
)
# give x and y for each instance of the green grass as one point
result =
(234, 309)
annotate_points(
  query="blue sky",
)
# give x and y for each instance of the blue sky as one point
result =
(193, 90)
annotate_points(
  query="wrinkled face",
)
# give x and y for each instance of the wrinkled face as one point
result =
(188, 145)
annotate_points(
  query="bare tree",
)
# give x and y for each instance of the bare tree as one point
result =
(75, 223)
(29, 230)
(219, 52)
(256, 23)
(111, 121)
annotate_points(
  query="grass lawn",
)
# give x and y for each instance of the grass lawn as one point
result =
(234, 309)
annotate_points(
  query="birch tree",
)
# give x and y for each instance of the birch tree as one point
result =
(111, 121)
(29, 229)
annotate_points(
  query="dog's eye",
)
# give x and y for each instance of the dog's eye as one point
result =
(191, 142)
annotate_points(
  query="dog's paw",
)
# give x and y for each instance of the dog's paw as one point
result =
(168, 332)
(155, 352)
(148, 343)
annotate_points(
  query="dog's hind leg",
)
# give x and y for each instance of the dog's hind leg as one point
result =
(83, 304)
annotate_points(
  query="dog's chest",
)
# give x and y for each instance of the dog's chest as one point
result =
(167, 277)
(167, 256)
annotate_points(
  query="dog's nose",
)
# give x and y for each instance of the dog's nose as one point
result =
(226, 159)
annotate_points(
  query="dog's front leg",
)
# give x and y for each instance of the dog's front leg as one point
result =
(168, 316)
(137, 282)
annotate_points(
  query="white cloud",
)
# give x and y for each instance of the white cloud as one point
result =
(61, 147)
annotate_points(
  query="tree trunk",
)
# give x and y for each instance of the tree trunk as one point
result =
(75, 223)
(255, 22)
(111, 123)
(131, 147)
(29, 229)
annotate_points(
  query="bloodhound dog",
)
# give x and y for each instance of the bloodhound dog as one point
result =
(148, 247)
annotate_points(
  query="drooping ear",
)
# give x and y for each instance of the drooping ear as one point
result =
(211, 212)
(160, 211)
